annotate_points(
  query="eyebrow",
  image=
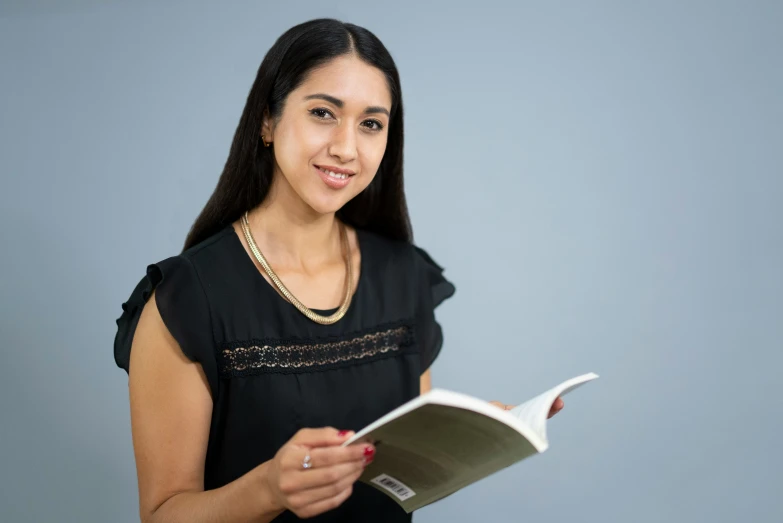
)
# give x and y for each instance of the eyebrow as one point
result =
(373, 109)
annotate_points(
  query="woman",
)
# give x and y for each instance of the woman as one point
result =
(299, 310)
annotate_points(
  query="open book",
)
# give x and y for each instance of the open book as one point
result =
(442, 441)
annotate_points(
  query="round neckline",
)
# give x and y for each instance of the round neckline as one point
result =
(268, 285)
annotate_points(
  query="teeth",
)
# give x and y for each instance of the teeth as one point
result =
(335, 175)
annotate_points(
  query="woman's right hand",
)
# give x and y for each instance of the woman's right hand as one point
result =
(329, 480)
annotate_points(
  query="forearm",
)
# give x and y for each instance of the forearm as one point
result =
(248, 498)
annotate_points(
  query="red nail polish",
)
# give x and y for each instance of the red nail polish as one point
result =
(343, 433)
(369, 452)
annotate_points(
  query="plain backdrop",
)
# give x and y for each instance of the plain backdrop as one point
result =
(601, 180)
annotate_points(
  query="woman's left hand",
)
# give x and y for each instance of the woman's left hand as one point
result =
(557, 406)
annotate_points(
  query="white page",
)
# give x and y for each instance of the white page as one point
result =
(534, 412)
(454, 399)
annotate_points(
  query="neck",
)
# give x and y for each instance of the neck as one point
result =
(291, 234)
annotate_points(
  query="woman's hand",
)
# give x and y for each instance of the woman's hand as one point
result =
(328, 480)
(557, 406)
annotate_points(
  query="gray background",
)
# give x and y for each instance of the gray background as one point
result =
(601, 180)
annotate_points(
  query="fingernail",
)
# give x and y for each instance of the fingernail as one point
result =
(369, 455)
(343, 433)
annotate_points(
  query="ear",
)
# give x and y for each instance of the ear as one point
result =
(267, 127)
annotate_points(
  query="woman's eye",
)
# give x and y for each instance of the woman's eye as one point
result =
(373, 125)
(325, 114)
(320, 113)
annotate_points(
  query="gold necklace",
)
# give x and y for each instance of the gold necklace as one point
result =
(323, 320)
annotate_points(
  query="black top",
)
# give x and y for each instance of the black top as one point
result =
(272, 371)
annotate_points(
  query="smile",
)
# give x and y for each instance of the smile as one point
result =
(334, 177)
(333, 174)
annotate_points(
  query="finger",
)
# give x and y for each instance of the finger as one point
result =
(325, 504)
(324, 437)
(323, 457)
(557, 406)
(321, 477)
(502, 405)
(328, 456)
(313, 495)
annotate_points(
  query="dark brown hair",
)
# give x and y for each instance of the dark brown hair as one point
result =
(248, 171)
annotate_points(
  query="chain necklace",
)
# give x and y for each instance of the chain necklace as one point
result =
(323, 320)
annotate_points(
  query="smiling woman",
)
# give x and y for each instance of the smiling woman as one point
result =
(299, 309)
(334, 125)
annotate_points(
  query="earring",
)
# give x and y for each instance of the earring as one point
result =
(265, 144)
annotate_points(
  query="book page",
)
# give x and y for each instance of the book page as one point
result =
(534, 412)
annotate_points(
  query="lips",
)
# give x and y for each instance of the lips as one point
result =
(334, 177)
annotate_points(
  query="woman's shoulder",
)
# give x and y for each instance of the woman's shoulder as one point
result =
(397, 249)
(189, 272)
(214, 261)
(178, 283)
(391, 250)
(408, 259)
(215, 247)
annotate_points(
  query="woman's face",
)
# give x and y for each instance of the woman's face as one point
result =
(331, 135)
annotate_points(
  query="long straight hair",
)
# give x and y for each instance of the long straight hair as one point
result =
(247, 174)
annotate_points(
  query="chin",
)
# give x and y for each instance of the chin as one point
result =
(328, 201)
(326, 205)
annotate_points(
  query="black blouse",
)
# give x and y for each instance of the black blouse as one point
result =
(272, 371)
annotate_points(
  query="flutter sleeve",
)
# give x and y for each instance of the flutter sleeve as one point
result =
(182, 305)
(433, 289)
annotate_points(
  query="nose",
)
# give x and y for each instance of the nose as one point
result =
(343, 143)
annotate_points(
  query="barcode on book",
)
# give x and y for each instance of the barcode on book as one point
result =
(394, 486)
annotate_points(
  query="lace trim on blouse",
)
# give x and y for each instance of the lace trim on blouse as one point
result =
(301, 354)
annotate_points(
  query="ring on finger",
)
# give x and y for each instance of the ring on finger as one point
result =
(307, 462)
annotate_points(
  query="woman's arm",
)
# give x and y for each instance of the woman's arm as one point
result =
(171, 409)
(425, 382)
